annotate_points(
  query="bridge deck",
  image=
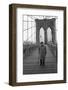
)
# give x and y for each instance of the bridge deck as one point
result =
(31, 63)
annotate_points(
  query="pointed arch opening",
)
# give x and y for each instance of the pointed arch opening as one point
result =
(49, 35)
(41, 35)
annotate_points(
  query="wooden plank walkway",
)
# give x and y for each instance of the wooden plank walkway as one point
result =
(31, 63)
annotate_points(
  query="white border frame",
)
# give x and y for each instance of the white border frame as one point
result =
(60, 27)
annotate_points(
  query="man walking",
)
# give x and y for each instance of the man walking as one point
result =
(42, 53)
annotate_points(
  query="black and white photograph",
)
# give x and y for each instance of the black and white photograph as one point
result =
(39, 44)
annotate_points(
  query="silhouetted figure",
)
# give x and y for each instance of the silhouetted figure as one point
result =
(42, 53)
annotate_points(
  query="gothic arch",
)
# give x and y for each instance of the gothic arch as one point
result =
(41, 35)
(49, 34)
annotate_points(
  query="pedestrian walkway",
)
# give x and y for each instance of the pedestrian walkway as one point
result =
(31, 63)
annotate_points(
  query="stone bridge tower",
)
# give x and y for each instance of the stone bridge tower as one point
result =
(45, 23)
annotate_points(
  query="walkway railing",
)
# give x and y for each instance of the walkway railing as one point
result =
(28, 49)
(53, 48)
